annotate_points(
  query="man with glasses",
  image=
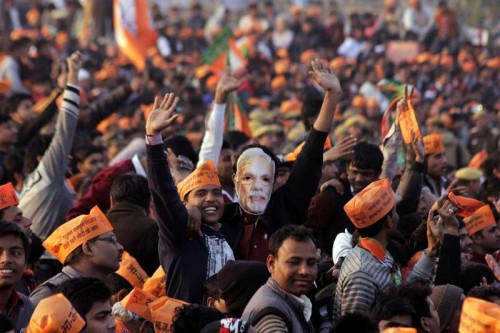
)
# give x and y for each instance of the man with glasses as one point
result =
(86, 246)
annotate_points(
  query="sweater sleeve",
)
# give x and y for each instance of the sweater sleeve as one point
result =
(55, 159)
(271, 324)
(422, 269)
(171, 214)
(449, 266)
(410, 188)
(212, 140)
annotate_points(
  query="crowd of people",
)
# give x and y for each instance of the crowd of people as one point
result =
(326, 185)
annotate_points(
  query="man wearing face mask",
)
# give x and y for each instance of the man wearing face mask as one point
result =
(247, 225)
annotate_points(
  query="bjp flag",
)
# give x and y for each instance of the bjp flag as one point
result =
(134, 30)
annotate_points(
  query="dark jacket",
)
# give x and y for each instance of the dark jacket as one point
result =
(289, 203)
(137, 232)
(183, 260)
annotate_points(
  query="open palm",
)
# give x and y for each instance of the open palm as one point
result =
(163, 114)
(325, 76)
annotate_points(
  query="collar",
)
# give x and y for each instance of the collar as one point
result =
(374, 247)
(138, 166)
(306, 305)
(15, 302)
(301, 302)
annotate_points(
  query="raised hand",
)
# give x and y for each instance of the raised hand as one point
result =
(343, 148)
(163, 114)
(418, 149)
(227, 84)
(74, 65)
(62, 74)
(446, 211)
(325, 77)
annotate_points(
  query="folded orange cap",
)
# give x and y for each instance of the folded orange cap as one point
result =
(8, 196)
(482, 218)
(55, 314)
(163, 311)
(400, 330)
(137, 301)
(479, 316)
(278, 82)
(433, 144)
(337, 62)
(281, 66)
(371, 204)
(478, 159)
(205, 174)
(131, 271)
(156, 284)
(307, 56)
(466, 206)
(75, 232)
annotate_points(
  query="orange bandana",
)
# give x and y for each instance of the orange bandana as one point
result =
(163, 311)
(131, 271)
(433, 144)
(55, 314)
(371, 204)
(480, 219)
(205, 174)
(477, 160)
(156, 284)
(479, 316)
(137, 301)
(74, 233)
(466, 206)
(8, 196)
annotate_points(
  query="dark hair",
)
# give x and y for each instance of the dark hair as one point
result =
(367, 156)
(388, 305)
(16, 99)
(297, 232)
(355, 322)
(487, 293)
(35, 148)
(211, 288)
(417, 292)
(181, 146)
(13, 163)
(472, 275)
(5, 324)
(131, 188)
(81, 154)
(116, 282)
(492, 163)
(19, 44)
(4, 118)
(375, 228)
(310, 107)
(82, 293)
(266, 150)
(192, 318)
(12, 229)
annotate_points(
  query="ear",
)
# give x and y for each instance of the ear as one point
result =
(424, 323)
(234, 178)
(121, 294)
(87, 249)
(211, 302)
(270, 262)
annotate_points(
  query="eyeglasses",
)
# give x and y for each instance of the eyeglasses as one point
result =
(110, 239)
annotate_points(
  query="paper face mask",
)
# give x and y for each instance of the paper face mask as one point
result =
(254, 180)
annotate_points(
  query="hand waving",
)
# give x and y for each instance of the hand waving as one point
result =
(74, 65)
(227, 84)
(325, 77)
(163, 114)
(343, 147)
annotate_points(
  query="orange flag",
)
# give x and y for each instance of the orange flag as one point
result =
(156, 284)
(479, 316)
(134, 30)
(409, 124)
(163, 311)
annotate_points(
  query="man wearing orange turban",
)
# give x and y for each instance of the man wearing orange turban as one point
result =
(187, 262)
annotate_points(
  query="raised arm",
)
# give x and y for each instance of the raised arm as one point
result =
(171, 214)
(212, 140)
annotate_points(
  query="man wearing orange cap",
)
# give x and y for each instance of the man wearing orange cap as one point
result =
(436, 164)
(188, 263)
(14, 250)
(369, 267)
(483, 228)
(9, 211)
(86, 246)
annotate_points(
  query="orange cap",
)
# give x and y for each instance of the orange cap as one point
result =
(433, 144)
(446, 61)
(423, 57)
(307, 56)
(282, 53)
(358, 101)
(156, 284)
(205, 174)
(55, 314)
(121, 327)
(278, 82)
(131, 271)
(466, 206)
(478, 159)
(163, 311)
(468, 66)
(479, 316)
(291, 107)
(482, 218)
(372, 103)
(75, 232)
(137, 301)
(371, 204)
(4, 86)
(337, 62)
(281, 66)
(8, 196)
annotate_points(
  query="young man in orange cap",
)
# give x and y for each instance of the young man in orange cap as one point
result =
(484, 230)
(14, 249)
(86, 246)
(9, 211)
(188, 262)
(369, 267)
(436, 164)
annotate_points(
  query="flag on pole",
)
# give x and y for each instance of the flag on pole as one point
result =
(236, 117)
(225, 53)
(134, 30)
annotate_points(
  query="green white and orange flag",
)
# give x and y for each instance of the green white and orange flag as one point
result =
(236, 116)
(134, 30)
(226, 53)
